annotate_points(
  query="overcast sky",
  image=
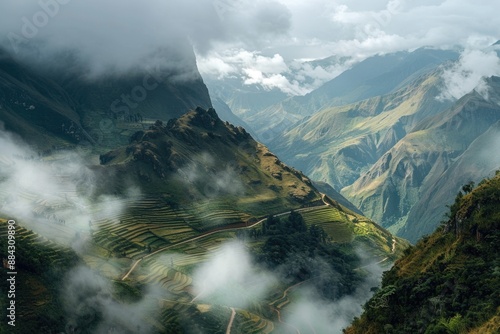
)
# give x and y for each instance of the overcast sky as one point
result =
(257, 40)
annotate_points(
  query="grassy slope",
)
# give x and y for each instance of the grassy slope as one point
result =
(40, 266)
(187, 160)
(171, 269)
(448, 282)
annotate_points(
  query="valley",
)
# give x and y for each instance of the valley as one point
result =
(245, 167)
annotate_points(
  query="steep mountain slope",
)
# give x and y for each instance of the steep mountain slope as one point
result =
(375, 76)
(99, 110)
(199, 157)
(471, 165)
(326, 189)
(338, 144)
(205, 186)
(448, 282)
(35, 106)
(429, 164)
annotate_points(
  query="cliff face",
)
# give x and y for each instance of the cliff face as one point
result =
(408, 186)
(65, 107)
(337, 145)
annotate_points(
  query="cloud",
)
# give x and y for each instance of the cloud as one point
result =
(88, 303)
(231, 278)
(207, 174)
(469, 73)
(118, 36)
(296, 77)
(56, 198)
(115, 37)
(355, 29)
(312, 313)
(359, 28)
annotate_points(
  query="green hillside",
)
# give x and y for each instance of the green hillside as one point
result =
(448, 282)
(204, 184)
(199, 160)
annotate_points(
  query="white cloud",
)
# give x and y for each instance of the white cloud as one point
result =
(231, 278)
(296, 77)
(469, 73)
(119, 36)
(359, 29)
(311, 313)
(107, 35)
(56, 198)
(88, 303)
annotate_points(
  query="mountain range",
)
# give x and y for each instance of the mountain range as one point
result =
(133, 220)
(145, 203)
(365, 133)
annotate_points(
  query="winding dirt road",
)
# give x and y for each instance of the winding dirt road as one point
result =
(230, 324)
(206, 234)
(235, 227)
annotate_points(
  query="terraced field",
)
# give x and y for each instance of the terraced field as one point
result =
(213, 213)
(192, 318)
(167, 277)
(333, 221)
(40, 266)
(52, 251)
(247, 322)
(150, 224)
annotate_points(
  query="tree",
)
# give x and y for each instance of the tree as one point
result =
(467, 188)
(296, 222)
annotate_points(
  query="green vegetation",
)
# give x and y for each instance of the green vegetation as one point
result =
(334, 222)
(305, 253)
(208, 169)
(202, 181)
(40, 265)
(449, 282)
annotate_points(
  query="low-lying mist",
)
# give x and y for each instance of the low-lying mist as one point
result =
(58, 198)
(232, 277)
(54, 196)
